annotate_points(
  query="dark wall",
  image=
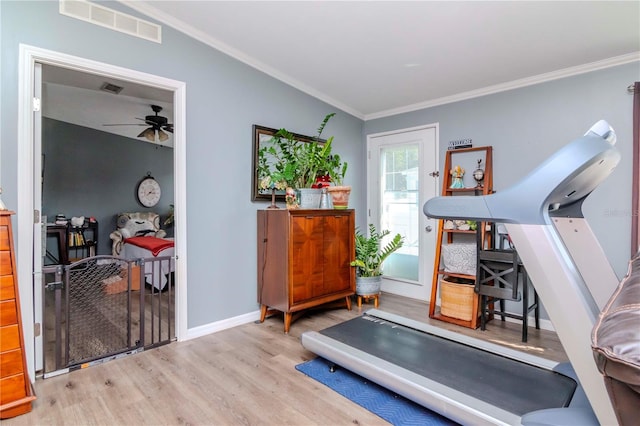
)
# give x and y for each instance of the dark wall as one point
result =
(92, 173)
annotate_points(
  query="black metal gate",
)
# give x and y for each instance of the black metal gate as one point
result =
(105, 307)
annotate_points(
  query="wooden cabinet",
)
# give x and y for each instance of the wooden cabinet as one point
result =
(466, 158)
(15, 388)
(304, 260)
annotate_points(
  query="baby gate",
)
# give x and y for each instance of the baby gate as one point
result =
(105, 307)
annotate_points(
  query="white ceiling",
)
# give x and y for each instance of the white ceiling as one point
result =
(374, 59)
(75, 97)
(371, 58)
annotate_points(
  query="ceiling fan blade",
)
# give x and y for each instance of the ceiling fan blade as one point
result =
(126, 124)
(147, 122)
(168, 128)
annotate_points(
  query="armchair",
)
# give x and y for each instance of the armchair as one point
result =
(135, 225)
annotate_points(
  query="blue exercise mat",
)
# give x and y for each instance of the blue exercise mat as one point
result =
(382, 402)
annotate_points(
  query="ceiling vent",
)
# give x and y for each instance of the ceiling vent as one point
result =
(109, 18)
(111, 88)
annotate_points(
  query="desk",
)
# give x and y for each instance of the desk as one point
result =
(60, 232)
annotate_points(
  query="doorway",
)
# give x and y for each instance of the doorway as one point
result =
(401, 173)
(30, 227)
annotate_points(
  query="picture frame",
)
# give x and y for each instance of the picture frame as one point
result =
(261, 136)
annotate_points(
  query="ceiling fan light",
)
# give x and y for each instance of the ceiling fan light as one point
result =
(149, 134)
(162, 136)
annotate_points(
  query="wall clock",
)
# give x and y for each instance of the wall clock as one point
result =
(148, 191)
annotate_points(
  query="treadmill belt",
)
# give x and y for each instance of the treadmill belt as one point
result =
(514, 386)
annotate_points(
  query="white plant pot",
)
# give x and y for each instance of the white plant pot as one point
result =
(310, 198)
(368, 286)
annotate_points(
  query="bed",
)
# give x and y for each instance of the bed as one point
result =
(158, 254)
(139, 237)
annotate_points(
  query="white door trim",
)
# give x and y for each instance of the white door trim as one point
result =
(371, 197)
(29, 55)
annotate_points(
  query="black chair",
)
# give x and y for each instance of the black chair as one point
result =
(501, 276)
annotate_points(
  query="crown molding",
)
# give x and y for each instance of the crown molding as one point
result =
(515, 84)
(260, 66)
(184, 28)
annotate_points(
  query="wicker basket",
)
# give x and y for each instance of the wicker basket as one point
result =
(456, 300)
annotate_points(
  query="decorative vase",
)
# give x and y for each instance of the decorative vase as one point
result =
(325, 200)
(310, 198)
(339, 196)
(368, 286)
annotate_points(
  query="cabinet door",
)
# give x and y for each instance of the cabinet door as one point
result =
(306, 257)
(338, 237)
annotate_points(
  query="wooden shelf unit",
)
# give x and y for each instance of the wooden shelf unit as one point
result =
(83, 240)
(304, 260)
(438, 272)
(16, 394)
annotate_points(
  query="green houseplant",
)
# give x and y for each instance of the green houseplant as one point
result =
(370, 257)
(287, 162)
(331, 165)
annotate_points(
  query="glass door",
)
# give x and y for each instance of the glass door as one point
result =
(401, 172)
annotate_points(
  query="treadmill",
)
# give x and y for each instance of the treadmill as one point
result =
(472, 381)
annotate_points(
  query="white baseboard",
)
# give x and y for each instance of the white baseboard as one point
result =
(214, 327)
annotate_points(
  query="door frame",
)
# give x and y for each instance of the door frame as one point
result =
(28, 56)
(436, 183)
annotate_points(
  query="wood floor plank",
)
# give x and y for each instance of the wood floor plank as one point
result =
(242, 376)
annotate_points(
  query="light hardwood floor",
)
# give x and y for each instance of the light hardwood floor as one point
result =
(241, 376)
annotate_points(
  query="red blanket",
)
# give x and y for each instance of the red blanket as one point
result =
(153, 244)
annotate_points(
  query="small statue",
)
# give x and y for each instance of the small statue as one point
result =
(290, 199)
(457, 172)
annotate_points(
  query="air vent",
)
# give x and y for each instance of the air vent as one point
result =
(111, 88)
(105, 17)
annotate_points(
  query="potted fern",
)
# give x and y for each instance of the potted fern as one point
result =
(370, 257)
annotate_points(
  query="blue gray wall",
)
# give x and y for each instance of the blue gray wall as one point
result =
(224, 99)
(526, 125)
(92, 173)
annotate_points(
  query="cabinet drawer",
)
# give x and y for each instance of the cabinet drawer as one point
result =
(11, 363)
(12, 388)
(5, 263)
(8, 312)
(4, 238)
(7, 290)
(9, 338)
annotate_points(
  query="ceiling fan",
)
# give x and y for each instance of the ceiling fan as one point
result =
(157, 124)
